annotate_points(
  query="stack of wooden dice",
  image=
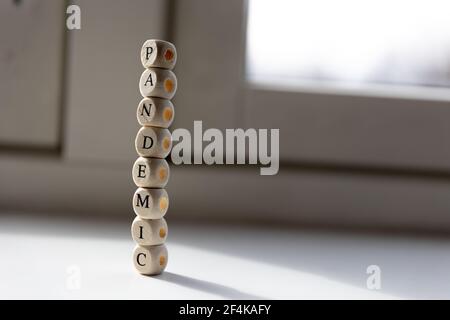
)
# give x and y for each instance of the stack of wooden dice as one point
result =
(155, 114)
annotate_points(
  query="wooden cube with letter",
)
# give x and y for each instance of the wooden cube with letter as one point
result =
(153, 143)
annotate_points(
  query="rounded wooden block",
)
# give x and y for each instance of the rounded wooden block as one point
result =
(153, 142)
(160, 83)
(150, 203)
(150, 260)
(155, 112)
(158, 53)
(150, 172)
(149, 232)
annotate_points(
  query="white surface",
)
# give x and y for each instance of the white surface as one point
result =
(38, 256)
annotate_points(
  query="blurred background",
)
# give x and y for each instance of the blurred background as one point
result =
(359, 91)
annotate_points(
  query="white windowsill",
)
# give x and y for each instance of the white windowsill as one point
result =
(352, 89)
(213, 262)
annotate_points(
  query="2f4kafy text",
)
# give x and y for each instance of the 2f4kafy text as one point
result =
(226, 309)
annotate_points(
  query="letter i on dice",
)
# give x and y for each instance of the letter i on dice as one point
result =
(153, 143)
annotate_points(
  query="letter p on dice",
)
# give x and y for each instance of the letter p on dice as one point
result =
(159, 54)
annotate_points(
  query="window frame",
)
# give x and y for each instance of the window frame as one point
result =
(371, 126)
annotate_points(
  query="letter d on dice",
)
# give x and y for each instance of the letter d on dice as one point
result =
(153, 142)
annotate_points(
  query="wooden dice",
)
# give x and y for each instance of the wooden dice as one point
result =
(150, 172)
(153, 143)
(158, 54)
(150, 203)
(150, 260)
(155, 82)
(147, 232)
(155, 112)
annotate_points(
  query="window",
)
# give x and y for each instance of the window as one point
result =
(350, 42)
(373, 131)
(341, 119)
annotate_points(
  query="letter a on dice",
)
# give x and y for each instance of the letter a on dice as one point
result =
(159, 83)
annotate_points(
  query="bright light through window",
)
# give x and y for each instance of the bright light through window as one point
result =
(359, 41)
